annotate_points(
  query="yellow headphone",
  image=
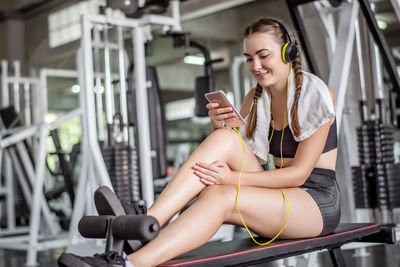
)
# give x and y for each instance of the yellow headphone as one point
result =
(289, 50)
(289, 53)
(244, 162)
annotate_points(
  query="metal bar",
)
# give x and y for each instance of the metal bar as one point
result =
(32, 177)
(22, 179)
(107, 71)
(212, 9)
(396, 8)
(98, 92)
(46, 72)
(80, 198)
(133, 23)
(235, 79)
(98, 45)
(143, 117)
(65, 117)
(40, 97)
(117, 22)
(337, 257)
(360, 60)
(21, 80)
(18, 136)
(85, 98)
(17, 77)
(338, 81)
(346, 155)
(41, 100)
(176, 15)
(20, 243)
(122, 82)
(363, 102)
(382, 44)
(10, 208)
(87, 101)
(328, 27)
(37, 197)
(12, 231)
(299, 26)
(5, 97)
(10, 131)
(157, 20)
(340, 67)
(25, 238)
(376, 65)
(27, 104)
(91, 186)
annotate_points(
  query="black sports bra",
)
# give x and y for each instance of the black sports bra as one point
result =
(289, 145)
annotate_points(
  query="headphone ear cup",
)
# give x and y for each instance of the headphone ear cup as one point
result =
(290, 52)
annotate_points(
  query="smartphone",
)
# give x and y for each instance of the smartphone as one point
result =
(223, 101)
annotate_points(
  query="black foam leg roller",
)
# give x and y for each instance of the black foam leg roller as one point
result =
(135, 227)
(94, 226)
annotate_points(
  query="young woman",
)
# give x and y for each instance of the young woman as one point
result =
(307, 176)
(287, 103)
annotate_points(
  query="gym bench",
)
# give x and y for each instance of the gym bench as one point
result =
(241, 252)
(245, 252)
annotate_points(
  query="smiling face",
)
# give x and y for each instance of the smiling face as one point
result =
(264, 60)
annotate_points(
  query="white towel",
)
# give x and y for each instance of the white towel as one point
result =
(315, 108)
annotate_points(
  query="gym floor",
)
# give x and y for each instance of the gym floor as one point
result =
(372, 256)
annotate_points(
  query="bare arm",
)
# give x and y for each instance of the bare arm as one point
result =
(307, 155)
(295, 174)
(219, 116)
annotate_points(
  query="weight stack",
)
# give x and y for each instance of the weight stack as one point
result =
(121, 164)
(388, 185)
(134, 174)
(376, 179)
(364, 185)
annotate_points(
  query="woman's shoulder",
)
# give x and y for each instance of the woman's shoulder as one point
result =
(316, 105)
(311, 79)
(314, 85)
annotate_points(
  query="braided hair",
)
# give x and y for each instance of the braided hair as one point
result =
(276, 30)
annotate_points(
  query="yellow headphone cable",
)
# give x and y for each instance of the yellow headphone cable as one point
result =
(244, 162)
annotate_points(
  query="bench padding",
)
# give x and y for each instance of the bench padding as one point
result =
(245, 251)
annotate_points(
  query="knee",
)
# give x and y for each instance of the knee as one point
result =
(220, 195)
(225, 134)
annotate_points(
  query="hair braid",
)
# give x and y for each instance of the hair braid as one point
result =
(299, 82)
(251, 124)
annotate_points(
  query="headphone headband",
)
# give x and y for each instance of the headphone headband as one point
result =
(289, 50)
(285, 28)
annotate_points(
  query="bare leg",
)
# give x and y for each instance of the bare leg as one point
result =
(263, 209)
(223, 145)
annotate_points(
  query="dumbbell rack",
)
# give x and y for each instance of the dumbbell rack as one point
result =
(377, 180)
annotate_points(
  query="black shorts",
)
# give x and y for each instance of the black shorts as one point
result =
(324, 189)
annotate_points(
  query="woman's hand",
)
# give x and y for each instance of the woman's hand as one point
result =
(217, 172)
(219, 116)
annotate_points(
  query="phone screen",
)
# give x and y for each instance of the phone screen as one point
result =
(223, 101)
